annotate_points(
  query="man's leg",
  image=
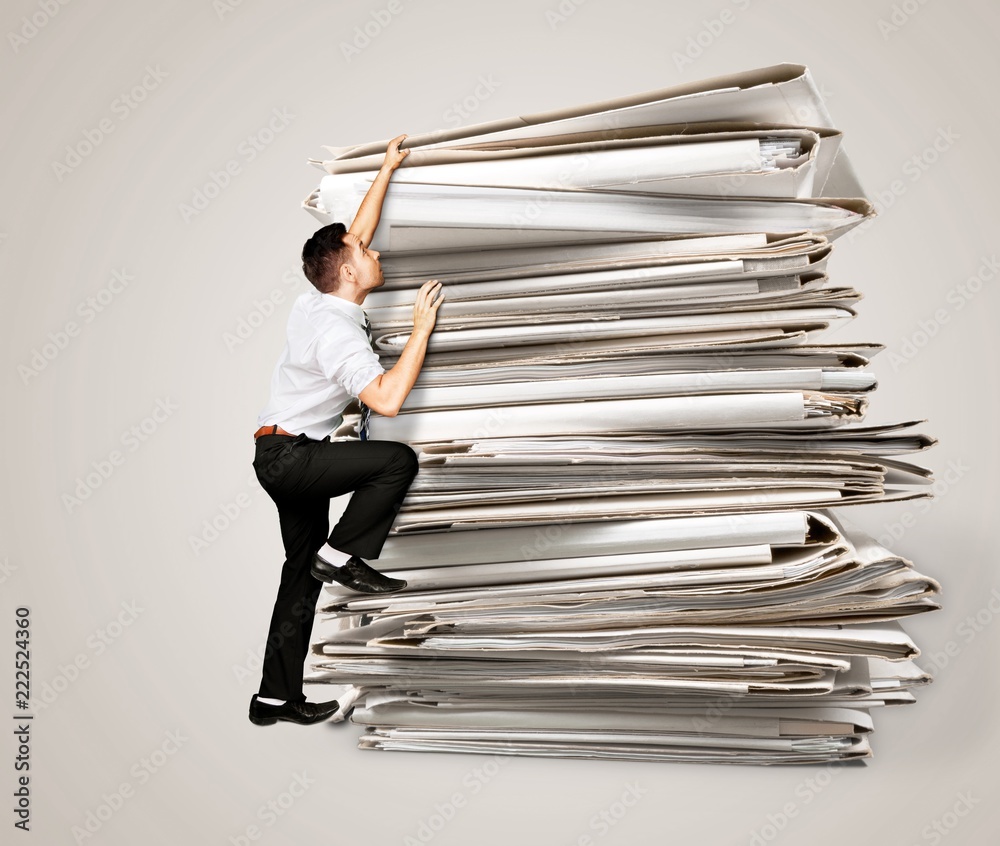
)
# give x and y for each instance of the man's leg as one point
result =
(301, 476)
(304, 527)
(378, 472)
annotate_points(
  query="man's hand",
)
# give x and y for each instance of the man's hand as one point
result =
(429, 299)
(393, 155)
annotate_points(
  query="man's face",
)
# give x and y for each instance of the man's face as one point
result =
(365, 262)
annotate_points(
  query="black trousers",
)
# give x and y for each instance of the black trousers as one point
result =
(301, 475)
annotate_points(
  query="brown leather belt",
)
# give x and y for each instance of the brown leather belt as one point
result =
(272, 430)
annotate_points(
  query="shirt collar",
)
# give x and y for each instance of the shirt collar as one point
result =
(352, 310)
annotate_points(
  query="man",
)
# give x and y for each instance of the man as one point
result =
(328, 360)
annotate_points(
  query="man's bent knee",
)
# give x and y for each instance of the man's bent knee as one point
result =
(406, 458)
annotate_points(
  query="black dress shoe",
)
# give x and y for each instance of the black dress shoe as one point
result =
(303, 713)
(356, 575)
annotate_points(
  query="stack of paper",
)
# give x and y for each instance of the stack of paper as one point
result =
(630, 434)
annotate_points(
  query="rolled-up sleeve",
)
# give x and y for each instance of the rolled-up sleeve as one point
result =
(348, 359)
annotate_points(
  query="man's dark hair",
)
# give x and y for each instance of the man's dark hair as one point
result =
(322, 256)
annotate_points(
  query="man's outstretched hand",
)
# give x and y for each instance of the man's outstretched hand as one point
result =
(429, 299)
(393, 155)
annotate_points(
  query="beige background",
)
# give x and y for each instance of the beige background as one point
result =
(178, 661)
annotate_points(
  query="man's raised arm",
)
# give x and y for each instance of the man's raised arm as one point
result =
(366, 220)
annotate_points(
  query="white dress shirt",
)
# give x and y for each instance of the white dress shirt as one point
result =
(327, 361)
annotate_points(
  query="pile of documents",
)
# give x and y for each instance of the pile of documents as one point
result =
(626, 537)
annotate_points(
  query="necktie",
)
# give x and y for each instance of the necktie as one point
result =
(366, 412)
